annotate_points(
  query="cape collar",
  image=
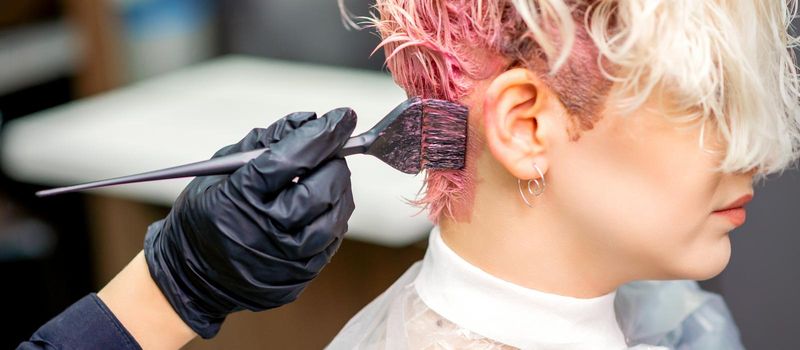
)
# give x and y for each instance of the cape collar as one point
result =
(517, 316)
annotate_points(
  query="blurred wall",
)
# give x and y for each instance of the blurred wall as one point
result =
(307, 30)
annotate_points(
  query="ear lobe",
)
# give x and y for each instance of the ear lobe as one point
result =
(513, 103)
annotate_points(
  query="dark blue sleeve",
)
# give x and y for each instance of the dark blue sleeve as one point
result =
(87, 324)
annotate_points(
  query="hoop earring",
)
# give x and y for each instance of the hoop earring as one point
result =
(539, 187)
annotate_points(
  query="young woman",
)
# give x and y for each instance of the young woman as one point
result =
(611, 142)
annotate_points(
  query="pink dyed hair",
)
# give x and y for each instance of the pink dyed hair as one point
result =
(440, 49)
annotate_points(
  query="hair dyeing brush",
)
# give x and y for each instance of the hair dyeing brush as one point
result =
(418, 134)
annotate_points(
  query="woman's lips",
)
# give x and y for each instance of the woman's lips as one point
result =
(737, 216)
(735, 211)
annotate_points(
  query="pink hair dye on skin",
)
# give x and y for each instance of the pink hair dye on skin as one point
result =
(441, 49)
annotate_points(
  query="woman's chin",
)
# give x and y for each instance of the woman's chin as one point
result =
(701, 263)
(708, 263)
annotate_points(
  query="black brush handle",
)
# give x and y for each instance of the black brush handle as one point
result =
(215, 166)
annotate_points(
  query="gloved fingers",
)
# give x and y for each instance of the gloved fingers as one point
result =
(319, 261)
(316, 263)
(298, 152)
(256, 138)
(310, 267)
(264, 137)
(318, 234)
(313, 195)
(332, 248)
(199, 185)
(293, 122)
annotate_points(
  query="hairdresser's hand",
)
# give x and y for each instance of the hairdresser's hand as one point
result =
(254, 239)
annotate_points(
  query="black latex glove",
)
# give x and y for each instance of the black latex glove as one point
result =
(254, 239)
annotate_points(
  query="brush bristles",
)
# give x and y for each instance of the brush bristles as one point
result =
(422, 134)
(444, 134)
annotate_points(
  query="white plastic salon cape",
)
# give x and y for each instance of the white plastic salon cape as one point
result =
(444, 302)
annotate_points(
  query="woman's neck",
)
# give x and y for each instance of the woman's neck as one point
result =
(531, 247)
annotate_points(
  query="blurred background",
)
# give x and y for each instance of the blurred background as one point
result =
(71, 64)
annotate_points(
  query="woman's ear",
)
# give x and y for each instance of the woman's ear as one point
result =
(518, 120)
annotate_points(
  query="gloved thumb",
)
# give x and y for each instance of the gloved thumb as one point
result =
(300, 151)
(262, 138)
